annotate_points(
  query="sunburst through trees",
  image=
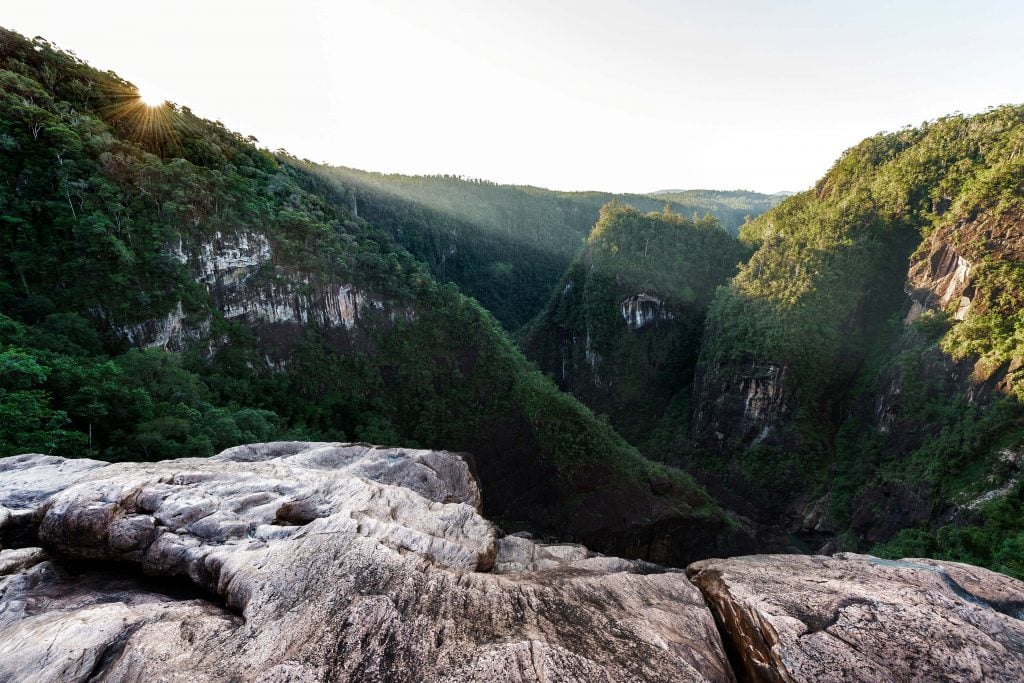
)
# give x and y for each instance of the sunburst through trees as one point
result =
(144, 116)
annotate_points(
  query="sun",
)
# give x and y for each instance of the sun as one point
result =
(144, 114)
(151, 98)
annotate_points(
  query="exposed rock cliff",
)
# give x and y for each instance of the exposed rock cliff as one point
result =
(742, 409)
(640, 310)
(247, 285)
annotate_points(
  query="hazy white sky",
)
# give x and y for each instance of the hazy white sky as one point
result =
(596, 94)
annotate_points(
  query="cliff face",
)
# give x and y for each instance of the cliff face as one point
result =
(952, 297)
(967, 272)
(740, 410)
(246, 285)
(640, 310)
(350, 562)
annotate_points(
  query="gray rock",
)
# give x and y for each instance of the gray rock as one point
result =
(859, 618)
(26, 481)
(306, 562)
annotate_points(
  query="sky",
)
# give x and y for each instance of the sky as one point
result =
(624, 96)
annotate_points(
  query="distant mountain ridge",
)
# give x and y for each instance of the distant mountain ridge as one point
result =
(505, 245)
(734, 204)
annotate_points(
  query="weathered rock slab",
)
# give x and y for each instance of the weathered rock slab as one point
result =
(320, 562)
(860, 618)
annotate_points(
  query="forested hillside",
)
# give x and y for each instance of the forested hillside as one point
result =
(505, 245)
(731, 207)
(858, 384)
(167, 290)
(883, 399)
(848, 374)
(623, 329)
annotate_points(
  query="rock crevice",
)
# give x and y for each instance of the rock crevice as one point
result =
(860, 618)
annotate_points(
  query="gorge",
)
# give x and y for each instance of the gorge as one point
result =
(684, 435)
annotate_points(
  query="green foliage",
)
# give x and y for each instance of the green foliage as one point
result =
(104, 206)
(57, 396)
(995, 538)
(661, 264)
(505, 245)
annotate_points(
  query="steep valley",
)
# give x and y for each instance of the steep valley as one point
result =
(506, 245)
(170, 290)
(592, 411)
(864, 359)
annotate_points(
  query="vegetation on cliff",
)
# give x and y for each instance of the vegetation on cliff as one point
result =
(107, 209)
(623, 329)
(899, 424)
(507, 245)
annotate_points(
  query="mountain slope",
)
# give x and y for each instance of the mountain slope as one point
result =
(623, 329)
(505, 245)
(881, 393)
(167, 287)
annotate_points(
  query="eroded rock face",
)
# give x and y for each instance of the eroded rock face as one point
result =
(859, 618)
(297, 561)
(940, 280)
(246, 284)
(640, 310)
(740, 409)
(945, 276)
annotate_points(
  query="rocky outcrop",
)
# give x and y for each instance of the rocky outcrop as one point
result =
(943, 270)
(859, 618)
(171, 333)
(739, 407)
(940, 280)
(297, 561)
(640, 310)
(947, 274)
(247, 284)
(324, 562)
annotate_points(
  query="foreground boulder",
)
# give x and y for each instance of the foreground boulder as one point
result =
(306, 562)
(859, 618)
(349, 562)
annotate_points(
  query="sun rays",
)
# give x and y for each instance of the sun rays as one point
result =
(145, 115)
